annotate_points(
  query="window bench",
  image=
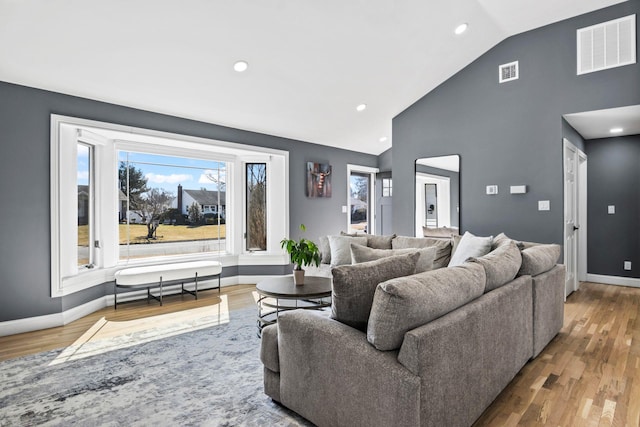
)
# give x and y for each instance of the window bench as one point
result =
(166, 274)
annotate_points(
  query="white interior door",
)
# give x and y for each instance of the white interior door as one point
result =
(572, 159)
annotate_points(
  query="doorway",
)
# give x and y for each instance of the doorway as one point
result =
(575, 215)
(361, 206)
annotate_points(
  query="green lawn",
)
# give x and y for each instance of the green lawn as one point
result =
(165, 233)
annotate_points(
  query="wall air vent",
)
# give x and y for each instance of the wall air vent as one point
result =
(508, 72)
(607, 45)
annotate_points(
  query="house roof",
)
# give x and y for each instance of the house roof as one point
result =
(207, 197)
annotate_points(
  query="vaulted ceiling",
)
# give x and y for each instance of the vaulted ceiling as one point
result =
(310, 62)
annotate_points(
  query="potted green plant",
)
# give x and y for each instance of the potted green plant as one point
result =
(303, 252)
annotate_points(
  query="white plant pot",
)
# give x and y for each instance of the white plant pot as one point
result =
(298, 277)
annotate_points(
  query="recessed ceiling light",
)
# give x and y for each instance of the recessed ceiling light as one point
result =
(461, 28)
(361, 107)
(241, 66)
(616, 130)
(383, 139)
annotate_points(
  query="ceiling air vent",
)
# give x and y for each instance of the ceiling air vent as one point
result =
(607, 45)
(508, 72)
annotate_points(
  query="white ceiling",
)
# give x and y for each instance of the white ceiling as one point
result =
(597, 124)
(310, 62)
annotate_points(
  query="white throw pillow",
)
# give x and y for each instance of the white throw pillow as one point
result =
(470, 246)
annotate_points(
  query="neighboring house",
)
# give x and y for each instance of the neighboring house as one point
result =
(207, 199)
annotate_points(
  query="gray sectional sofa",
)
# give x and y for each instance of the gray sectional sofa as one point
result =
(428, 349)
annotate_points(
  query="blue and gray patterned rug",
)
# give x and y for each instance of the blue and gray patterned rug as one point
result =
(207, 377)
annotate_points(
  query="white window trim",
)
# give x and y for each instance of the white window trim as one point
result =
(278, 222)
(372, 191)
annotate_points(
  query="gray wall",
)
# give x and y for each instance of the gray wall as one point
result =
(510, 133)
(613, 178)
(25, 285)
(454, 185)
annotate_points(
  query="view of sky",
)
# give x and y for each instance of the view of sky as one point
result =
(165, 172)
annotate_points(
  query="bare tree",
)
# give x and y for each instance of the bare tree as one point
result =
(152, 205)
(256, 212)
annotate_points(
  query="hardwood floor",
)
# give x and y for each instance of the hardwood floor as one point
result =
(588, 375)
(131, 314)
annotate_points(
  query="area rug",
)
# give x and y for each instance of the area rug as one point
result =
(206, 377)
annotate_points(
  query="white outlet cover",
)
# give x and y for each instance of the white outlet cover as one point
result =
(544, 205)
(627, 265)
(518, 189)
(344, 209)
(611, 209)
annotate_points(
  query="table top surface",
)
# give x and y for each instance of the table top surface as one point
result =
(283, 287)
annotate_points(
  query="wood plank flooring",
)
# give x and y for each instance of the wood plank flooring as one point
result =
(589, 375)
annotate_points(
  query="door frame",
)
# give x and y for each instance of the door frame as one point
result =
(371, 221)
(580, 190)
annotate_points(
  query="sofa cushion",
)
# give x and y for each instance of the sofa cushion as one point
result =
(503, 239)
(361, 253)
(443, 247)
(443, 232)
(501, 265)
(402, 304)
(354, 286)
(470, 246)
(380, 242)
(539, 259)
(269, 348)
(341, 249)
(325, 249)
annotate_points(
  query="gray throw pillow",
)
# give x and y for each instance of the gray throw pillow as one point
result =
(502, 239)
(341, 249)
(501, 265)
(361, 253)
(470, 246)
(325, 249)
(354, 286)
(380, 242)
(538, 259)
(402, 304)
(443, 247)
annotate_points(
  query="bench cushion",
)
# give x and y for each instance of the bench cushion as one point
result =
(135, 276)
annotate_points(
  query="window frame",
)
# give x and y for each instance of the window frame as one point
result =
(65, 281)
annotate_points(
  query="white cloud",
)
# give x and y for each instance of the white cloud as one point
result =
(83, 175)
(174, 178)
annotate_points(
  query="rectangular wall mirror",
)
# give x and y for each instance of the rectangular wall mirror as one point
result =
(437, 195)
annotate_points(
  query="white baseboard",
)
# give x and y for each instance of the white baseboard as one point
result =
(29, 324)
(613, 280)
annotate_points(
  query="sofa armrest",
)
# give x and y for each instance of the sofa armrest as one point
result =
(331, 375)
(269, 348)
(548, 306)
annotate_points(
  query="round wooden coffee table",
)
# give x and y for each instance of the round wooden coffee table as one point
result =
(280, 294)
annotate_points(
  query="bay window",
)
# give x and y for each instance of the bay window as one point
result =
(142, 197)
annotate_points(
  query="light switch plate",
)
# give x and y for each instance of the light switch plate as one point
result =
(518, 189)
(627, 265)
(492, 189)
(344, 209)
(611, 209)
(544, 205)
